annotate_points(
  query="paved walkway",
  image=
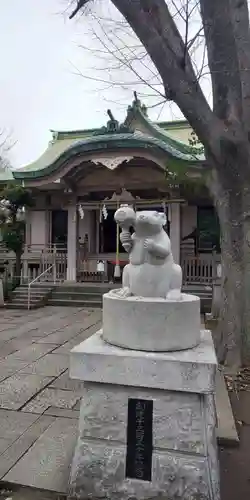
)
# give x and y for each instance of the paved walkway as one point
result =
(39, 404)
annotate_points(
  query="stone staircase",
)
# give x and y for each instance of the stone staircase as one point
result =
(39, 295)
(90, 295)
(79, 295)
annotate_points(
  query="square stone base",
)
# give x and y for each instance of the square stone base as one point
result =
(181, 445)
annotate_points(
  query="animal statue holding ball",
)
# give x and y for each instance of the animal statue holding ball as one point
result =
(151, 271)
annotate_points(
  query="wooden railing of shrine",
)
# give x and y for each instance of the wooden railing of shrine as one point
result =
(37, 258)
(198, 270)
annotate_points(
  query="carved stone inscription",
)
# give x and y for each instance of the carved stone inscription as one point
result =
(139, 439)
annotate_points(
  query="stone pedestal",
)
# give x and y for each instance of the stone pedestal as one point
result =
(147, 423)
(151, 324)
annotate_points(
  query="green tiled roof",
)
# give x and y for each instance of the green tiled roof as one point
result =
(5, 175)
(66, 144)
(56, 156)
(159, 131)
(49, 156)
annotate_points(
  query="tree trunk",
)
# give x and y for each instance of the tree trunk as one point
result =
(229, 338)
(18, 267)
(246, 277)
(232, 200)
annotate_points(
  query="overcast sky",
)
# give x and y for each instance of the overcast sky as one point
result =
(39, 88)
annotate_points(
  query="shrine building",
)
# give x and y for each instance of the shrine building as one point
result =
(85, 175)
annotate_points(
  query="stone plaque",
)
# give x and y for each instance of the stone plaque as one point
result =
(139, 439)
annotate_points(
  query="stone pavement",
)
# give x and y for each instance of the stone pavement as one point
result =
(39, 404)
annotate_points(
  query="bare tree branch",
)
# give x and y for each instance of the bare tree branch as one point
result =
(6, 144)
(80, 4)
(156, 29)
(184, 88)
(128, 61)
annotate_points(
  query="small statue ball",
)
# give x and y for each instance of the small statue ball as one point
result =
(125, 216)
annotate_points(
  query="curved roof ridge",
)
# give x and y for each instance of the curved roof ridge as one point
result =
(6, 172)
(48, 163)
(165, 136)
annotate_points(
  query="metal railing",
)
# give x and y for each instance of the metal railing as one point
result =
(37, 278)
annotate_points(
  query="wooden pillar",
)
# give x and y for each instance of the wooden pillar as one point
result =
(72, 243)
(28, 227)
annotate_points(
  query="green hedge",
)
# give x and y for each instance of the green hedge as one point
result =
(8, 286)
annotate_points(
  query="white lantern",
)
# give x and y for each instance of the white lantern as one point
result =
(219, 271)
(117, 271)
(100, 266)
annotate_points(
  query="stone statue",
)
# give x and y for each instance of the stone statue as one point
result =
(151, 271)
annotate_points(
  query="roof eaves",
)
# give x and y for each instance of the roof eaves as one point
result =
(175, 124)
(99, 143)
(165, 137)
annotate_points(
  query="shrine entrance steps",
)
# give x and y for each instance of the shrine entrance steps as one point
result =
(79, 294)
(90, 294)
(39, 296)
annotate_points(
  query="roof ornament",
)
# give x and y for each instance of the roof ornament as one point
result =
(123, 197)
(54, 135)
(113, 126)
(137, 101)
(137, 105)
